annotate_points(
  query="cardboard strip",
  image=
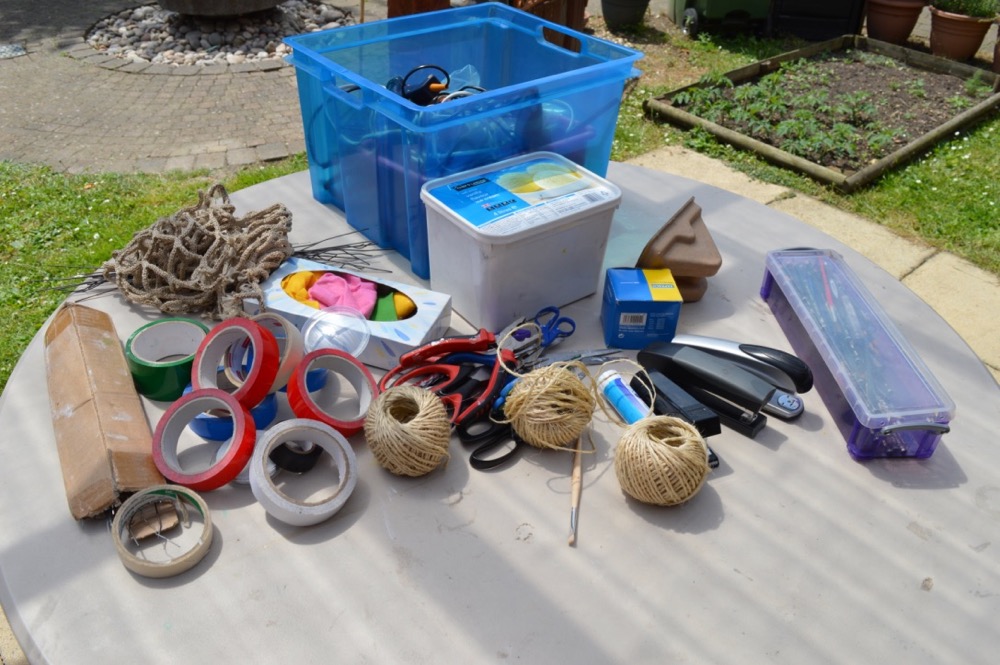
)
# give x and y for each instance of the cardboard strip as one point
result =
(101, 432)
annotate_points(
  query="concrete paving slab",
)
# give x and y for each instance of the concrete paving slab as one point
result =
(967, 298)
(894, 254)
(10, 650)
(681, 161)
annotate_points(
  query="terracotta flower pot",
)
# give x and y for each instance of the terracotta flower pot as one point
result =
(956, 36)
(893, 20)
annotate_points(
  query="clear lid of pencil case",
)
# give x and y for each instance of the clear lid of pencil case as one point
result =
(881, 376)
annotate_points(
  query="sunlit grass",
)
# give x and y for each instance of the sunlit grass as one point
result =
(56, 226)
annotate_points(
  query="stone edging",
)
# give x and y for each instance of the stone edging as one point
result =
(84, 52)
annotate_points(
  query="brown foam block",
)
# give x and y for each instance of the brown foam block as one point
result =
(684, 245)
(691, 288)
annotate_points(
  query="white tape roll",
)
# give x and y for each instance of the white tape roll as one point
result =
(278, 504)
(143, 565)
(290, 350)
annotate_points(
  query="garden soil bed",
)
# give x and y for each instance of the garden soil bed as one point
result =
(911, 104)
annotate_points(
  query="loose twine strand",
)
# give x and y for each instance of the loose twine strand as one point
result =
(202, 259)
(408, 430)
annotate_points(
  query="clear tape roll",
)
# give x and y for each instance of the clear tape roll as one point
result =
(121, 525)
(215, 347)
(278, 504)
(304, 405)
(237, 450)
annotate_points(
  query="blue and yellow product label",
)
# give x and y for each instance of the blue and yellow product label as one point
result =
(522, 196)
(640, 306)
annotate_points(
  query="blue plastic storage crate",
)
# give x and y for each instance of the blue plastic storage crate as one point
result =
(370, 150)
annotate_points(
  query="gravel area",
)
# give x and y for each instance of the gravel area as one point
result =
(154, 35)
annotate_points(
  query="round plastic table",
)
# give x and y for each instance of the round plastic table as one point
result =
(792, 552)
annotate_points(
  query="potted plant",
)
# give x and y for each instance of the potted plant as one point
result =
(892, 21)
(959, 26)
(623, 13)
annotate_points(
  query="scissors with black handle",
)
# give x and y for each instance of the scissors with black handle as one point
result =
(495, 442)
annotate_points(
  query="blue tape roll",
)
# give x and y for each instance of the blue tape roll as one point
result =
(315, 380)
(220, 428)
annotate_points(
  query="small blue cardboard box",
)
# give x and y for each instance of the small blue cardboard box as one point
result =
(639, 307)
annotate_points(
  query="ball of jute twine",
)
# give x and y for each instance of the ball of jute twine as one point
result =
(551, 406)
(661, 460)
(548, 407)
(408, 430)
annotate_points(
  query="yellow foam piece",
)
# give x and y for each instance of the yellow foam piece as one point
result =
(297, 286)
(405, 308)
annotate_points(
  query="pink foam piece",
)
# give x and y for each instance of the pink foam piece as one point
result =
(346, 291)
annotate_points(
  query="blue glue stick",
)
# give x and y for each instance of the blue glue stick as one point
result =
(621, 397)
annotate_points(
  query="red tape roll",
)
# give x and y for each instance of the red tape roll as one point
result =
(238, 450)
(213, 351)
(347, 366)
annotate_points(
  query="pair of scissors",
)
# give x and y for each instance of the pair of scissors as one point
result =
(554, 326)
(467, 382)
(495, 441)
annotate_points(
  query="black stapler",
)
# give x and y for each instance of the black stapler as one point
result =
(734, 393)
(786, 372)
(669, 399)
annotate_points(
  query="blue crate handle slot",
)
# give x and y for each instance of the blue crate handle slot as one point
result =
(347, 96)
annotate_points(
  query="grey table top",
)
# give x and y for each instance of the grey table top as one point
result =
(791, 553)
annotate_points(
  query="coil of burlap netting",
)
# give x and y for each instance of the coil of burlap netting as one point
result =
(202, 259)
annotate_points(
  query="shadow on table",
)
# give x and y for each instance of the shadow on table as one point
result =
(940, 471)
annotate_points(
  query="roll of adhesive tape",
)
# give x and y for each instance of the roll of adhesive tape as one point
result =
(315, 380)
(214, 350)
(290, 351)
(160, 355)
(238, 449)
(304, 405)
(218, 426)
(294, 458)
(278, 504)
(120, 530)
(243, 477)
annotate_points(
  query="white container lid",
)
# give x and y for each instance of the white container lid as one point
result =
(520, 197)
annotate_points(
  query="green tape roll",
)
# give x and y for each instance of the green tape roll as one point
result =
(160, 355)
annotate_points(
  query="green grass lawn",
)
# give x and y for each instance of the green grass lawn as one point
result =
(54, 226)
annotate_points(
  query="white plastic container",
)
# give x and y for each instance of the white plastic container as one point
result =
(510, 238)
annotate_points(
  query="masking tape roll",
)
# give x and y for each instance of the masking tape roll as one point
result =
(215, 347)
(160, 355)
(120, 530)
(219, 426)
(278, 504)
(290, 350)
(238, 449)
(304, 405)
